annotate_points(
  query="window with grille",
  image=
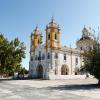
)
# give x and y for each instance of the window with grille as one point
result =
(56, 55)
(64, 56)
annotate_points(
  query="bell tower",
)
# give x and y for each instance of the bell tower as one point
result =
(35, 39)
(52, 35)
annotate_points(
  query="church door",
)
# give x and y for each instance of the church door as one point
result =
(39, 71)
(64, 70)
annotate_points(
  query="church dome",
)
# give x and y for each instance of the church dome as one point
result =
(86, 34)
(36, 31)
(53, 24)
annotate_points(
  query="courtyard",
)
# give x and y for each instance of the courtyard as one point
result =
(84, 89)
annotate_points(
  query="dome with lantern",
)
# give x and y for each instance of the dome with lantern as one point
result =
(53, 24)
(86, 34)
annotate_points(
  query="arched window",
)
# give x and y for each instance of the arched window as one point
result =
(55, 36)
(49, 36)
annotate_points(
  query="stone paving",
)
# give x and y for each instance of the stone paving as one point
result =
(84, 89)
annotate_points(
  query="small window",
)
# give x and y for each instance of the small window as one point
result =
(36, 58)
(48, 56)
(81, 48)
(76, 60)
(31, 58)
(49, 36)
(43, 57)
(39, 53)
(56, 55)
(55, 36)
(55, 71)
(64, 56)
(39, 57)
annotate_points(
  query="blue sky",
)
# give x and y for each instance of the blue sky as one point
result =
(18, 18)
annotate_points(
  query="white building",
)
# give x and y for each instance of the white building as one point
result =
(49, 59)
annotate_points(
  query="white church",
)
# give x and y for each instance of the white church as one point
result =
(50, 60)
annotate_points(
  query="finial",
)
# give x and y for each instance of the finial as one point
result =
(36, 29)
(58, 26)
(84, 29)
(36, 26)
(90, 28)
(52, 19)
(70, 45)
(98, 28)
(84, 26)
(46, 26)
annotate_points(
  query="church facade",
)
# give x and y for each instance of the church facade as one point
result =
(50, 59)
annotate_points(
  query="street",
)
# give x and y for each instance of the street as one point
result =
(85, 89)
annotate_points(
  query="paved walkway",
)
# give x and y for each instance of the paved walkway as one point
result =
(85, 89)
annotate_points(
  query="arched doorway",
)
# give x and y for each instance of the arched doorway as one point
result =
(64, 70)
(39, 71)
(76, 71)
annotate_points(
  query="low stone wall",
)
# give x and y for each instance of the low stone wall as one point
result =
(66, 77)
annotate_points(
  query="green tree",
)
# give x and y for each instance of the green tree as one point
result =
(11, 55)
(3, 49)
(92, 60)
(22, 72)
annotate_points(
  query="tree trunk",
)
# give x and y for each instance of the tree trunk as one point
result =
(99, 82)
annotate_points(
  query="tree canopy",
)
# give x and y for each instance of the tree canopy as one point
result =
(11, 55)
(92, 59)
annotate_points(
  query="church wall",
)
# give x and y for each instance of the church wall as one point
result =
(50, 64)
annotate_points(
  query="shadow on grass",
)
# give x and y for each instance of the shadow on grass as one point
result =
(75, 87)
